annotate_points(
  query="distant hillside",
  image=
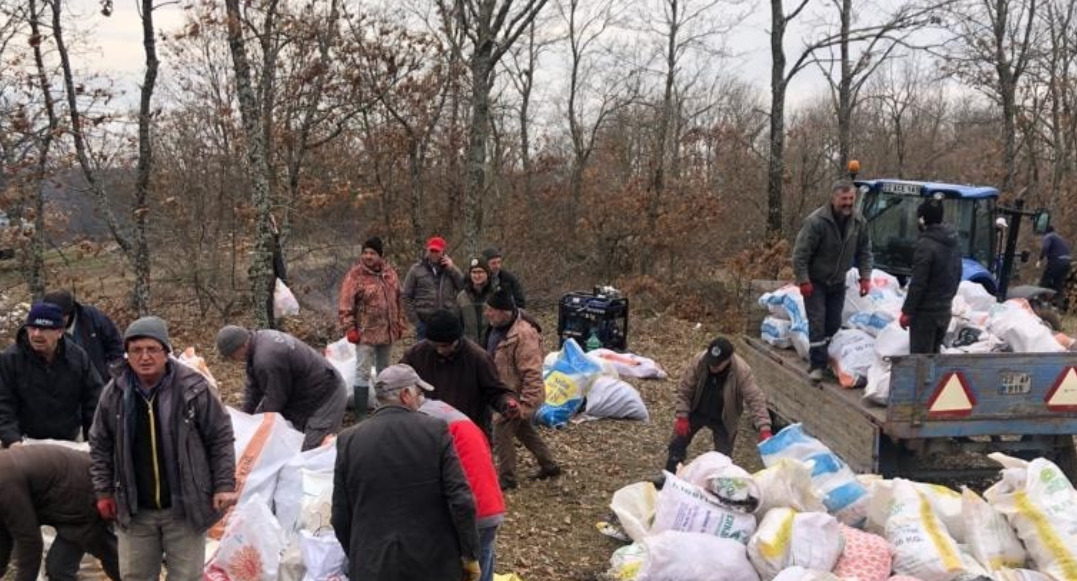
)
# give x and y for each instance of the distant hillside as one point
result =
(68, 193)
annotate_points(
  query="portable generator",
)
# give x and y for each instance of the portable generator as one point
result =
(602, 314)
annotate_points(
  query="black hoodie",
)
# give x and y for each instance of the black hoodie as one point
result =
(936, 271)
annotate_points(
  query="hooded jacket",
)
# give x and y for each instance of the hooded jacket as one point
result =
(197, 441)
(822, 255)
(936, 271)
(46, 400)
(428, 288)
(370, 301)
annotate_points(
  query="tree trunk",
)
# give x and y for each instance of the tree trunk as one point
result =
(261, 268)
(775, 163)
(479, 130)
(845, 90)
(36, 276)
(141, 298)
(527, 82)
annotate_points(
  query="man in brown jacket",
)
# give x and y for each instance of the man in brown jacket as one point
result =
(715, 388)
(50, 485)
(371, 315)
(514, 342)
(430, 286)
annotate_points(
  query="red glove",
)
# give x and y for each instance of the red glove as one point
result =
(354, 336)
(106, 507)
(680, 426)
(904, 321)
(765, 434)
(865, 286)
(512, 409)
(806, 289)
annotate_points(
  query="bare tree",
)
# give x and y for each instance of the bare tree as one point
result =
(36, 274)
(491, 27)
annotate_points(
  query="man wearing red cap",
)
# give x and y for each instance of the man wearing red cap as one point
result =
(431, 285)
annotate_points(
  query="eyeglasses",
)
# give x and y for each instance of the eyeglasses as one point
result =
(140, 351)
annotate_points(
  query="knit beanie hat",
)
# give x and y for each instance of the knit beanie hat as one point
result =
(45, 316)
(930, 211)
(501, 300)
(719, 350)
(491, 253)
(374, 243)
(230, 338)
(444, 327)
(62, 299)
(478, 262)
(150, 327)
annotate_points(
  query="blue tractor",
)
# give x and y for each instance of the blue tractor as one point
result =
(987, 230)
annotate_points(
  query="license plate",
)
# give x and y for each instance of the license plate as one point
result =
(900, 188)
(1014, 383)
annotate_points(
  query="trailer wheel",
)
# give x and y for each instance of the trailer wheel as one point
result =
(1066, 459)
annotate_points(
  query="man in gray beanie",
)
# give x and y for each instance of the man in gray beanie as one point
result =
(287, 376)
(163, 463)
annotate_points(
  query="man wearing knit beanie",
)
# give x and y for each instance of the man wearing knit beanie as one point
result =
(499, 277)
(287, 376)
(462, 374)
(936, 274)
(371, 316)
(515, 344)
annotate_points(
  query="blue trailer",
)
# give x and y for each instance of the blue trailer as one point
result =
(944, 411)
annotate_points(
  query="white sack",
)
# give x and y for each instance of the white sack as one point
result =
(251, 547)
(989, 536)
(787, 484)
(1021, 329)
(634, 506)
(787, 303)
(775, 331)
(685, 507)
(678, 556)
(851, 353)
(613, 398)
(786, 538)
(323, 556)
(630, 364)
(922, 546)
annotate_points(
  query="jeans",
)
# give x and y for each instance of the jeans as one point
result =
(65, 555)
(678, 445)
(366, 357)
(927, 330)
(506, 432)
(824, 308)
(155, 536)
(487, 542)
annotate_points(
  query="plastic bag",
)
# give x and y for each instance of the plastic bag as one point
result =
(1015, 323)
(844, 497)
(567, 382)
(614, 398)
(626, 562)
(630, 364)
(989, 536)
(787, 484)
(634, 506)
(787, 303)
(1041, 505)
(776, 331)
(684, 507)
(251, 547)
(877, 391)
(976, 296)
(677, 556)
(341, 354)
(786, 538)
(866, 557)
(284, 302)
(922, 546)
(730, 484)
(296, 483)
(323, 556)
(801, 574)
(851, 353)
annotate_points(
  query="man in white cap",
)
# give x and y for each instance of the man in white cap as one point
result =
(402, 507)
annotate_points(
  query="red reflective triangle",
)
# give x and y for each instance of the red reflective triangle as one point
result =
(952, 397)
(1063, 396)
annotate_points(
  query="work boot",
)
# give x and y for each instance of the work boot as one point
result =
(506, 483)
(548, 472)
(816, 375)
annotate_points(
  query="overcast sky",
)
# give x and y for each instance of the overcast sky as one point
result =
(119, 45)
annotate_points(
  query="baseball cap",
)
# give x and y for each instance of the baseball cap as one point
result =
(437, 244)
(399, 376)
(719, 350)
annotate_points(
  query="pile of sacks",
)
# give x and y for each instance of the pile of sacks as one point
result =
(859, 353)
(806, 517)
(591, 384)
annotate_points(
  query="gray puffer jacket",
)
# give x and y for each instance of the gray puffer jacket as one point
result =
(428, 289)
(197, 442)
(822, 255)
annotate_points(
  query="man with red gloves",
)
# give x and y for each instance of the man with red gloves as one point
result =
(831, 238)
(936, 274)
(716, 387)
(371, 316)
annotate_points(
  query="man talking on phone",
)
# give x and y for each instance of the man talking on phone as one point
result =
(431, 285)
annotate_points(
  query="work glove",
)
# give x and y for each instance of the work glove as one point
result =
(806, 289)
(865, 286)
(354, 336)
(512, 409)
(903, 320)
(680, 426)
(472, 571)
(106, 507)
(765, 434)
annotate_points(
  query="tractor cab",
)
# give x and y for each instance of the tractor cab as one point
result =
(889, 206)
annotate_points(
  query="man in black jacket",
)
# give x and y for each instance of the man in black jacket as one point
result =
(936, 274)
(402, 507)
(48, 386)
(499, 277)
(90, 329)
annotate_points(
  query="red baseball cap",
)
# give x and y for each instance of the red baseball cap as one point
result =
(437, 244)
